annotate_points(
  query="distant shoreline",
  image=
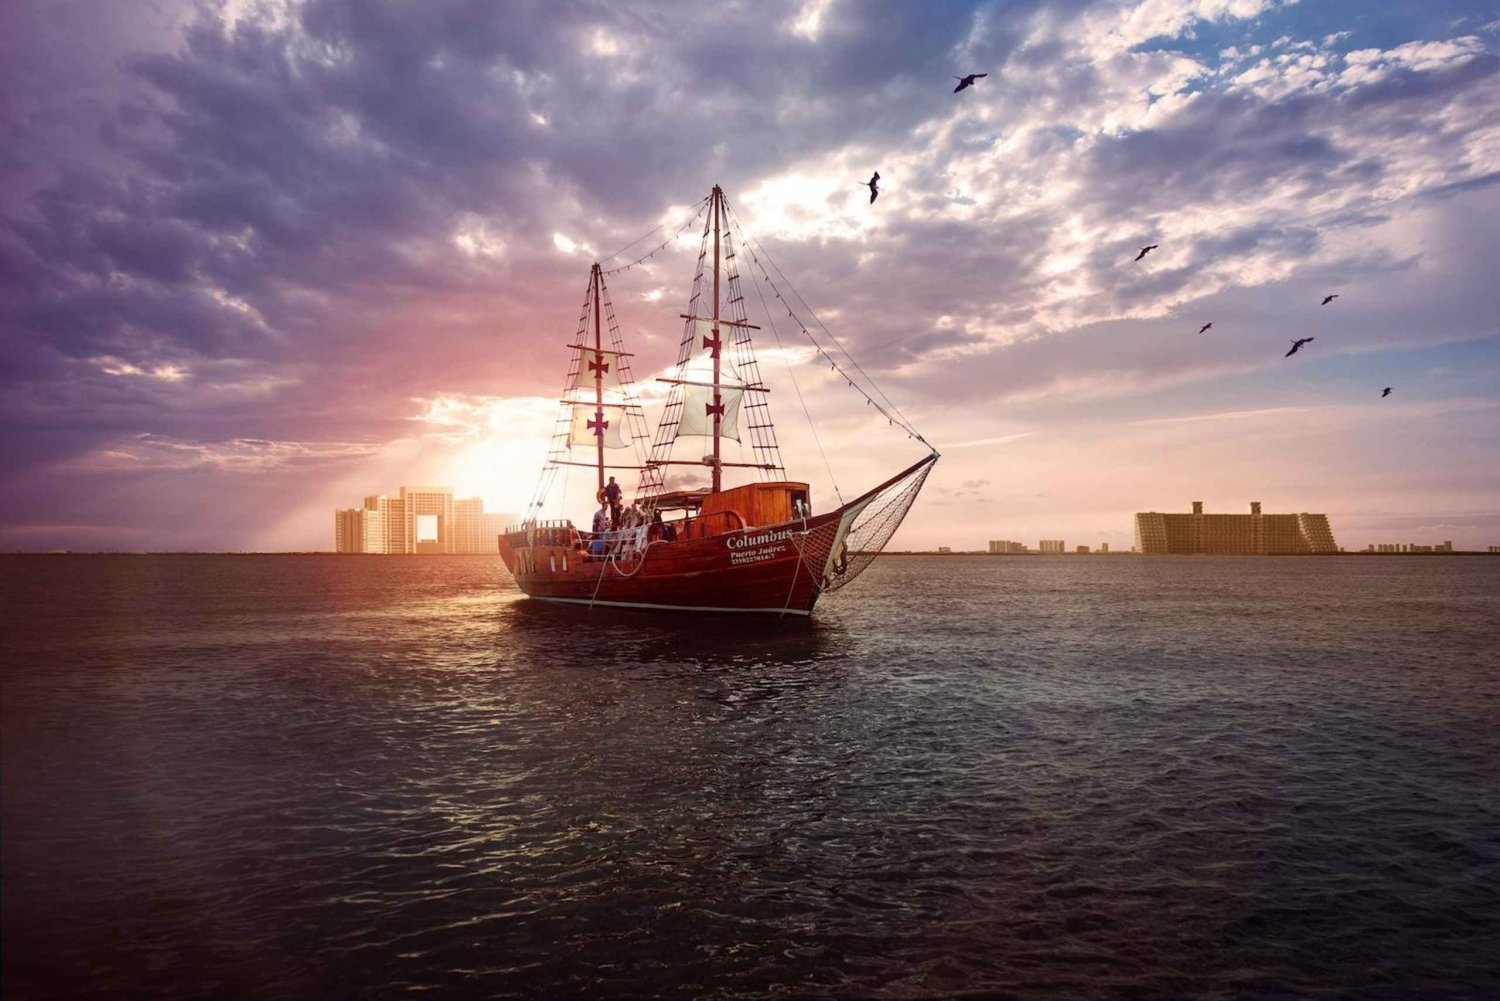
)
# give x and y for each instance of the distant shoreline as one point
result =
(898, 552)
(1126, 552)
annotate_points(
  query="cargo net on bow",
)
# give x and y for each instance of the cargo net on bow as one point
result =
(874, 524)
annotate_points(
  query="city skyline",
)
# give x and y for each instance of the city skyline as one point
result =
(238, 271)
(419, 520)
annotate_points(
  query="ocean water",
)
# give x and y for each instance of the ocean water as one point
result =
(319, 776)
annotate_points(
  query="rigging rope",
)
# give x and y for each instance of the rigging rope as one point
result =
(888, 408)
(817, 439)
(697, 211)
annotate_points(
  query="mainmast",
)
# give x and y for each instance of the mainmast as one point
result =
(710, 387)
(598, 376)
(717, 408)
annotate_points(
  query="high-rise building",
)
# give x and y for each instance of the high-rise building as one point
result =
(374, 530)
(1052, 546)
(492, 526)
(1104, 547)
(392, 523)
(1233, 534)
(349, 530)
(1006, 546)
(475, 531)
(429, 519)
(467, 512)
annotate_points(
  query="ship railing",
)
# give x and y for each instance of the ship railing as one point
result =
(617, 543)
(554, 532)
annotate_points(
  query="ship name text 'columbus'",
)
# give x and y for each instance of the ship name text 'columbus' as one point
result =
(746, 541)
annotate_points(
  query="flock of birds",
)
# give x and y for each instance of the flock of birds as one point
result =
(965, 82)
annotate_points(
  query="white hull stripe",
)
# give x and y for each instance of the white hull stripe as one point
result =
(674, 608)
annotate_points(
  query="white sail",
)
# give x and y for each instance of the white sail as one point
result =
(702, 359)
(593, 364)
(698, 387)
(592, 422)
(697, 411)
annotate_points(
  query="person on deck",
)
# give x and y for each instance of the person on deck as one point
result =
(601, 528)
(612, 498)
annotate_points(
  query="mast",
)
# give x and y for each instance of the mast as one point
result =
(599, 379)
(718, 405)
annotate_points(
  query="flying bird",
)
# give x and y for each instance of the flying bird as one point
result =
(1386, 392)
(1297, 345)
(1146, 250)
(967, 81)
(1204, 327)
(874, 185)
(1329, 298)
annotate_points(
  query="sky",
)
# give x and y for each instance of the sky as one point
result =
(260, 259)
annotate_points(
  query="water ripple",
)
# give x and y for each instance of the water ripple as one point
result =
(317, 776)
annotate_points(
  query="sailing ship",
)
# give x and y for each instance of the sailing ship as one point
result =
(757, 546)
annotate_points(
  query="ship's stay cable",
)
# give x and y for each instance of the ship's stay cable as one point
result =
(884, 404)
(697, 211)
(787, 358)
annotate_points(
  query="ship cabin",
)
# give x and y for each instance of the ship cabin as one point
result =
(753, 505)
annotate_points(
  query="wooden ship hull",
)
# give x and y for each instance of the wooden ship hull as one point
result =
(777, 569)
(724, 562)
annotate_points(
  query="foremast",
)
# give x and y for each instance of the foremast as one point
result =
(599, 406)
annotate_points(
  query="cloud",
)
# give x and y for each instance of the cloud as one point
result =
(240, 455)
(1229, 415)
(998, 440)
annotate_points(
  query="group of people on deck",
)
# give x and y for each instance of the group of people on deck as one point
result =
(613, 522)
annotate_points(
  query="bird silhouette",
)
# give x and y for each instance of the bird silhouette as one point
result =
(1385, 392)
(874, 185)
(1204, 327)
(1297, 346)
(1146, 250)
(967, 81)
(1328, 298)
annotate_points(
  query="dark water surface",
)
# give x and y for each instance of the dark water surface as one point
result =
(283, 776)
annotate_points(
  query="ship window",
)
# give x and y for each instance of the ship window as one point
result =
(565, 562)
(552, 562)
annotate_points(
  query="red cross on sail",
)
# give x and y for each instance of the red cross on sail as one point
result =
(592, 424)
(597, 368)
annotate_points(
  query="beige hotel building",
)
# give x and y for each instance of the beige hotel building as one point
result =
(1253, 534)
(419, 520)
